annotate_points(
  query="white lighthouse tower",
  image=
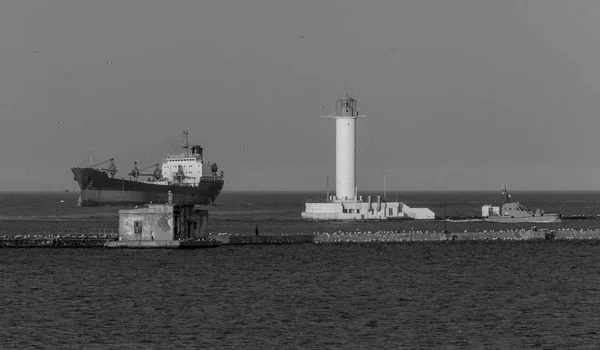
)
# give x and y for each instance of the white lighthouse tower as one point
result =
(347, 204)
(346, 113)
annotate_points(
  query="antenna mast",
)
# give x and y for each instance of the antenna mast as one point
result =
(505, 192)
(186, 145)
(347, 92)
(384, 186)
(90, 154)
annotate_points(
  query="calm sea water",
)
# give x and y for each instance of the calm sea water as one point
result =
(438, 295)
(239, 212)
(409, 295)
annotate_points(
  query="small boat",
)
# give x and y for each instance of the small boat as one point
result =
(515, 212)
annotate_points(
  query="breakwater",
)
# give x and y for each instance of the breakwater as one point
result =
(387, 237)
(207, 243)
(264, 239)
(57, 241)
(391, 237)
(95, 241)
(409, 236)
(482, 219)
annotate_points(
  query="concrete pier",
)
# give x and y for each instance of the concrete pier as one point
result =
(215, 240)
(432, 237)
(391, 237)
(166, 244)
(399, 237)
(54, 242)
(264, 239)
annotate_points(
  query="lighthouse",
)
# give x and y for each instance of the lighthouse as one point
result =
(346, 204)
(346, 114)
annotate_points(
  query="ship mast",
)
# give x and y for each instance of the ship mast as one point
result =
(384, 186)
(185, 142)
(505, 192)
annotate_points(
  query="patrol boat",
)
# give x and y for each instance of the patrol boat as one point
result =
(515, 212)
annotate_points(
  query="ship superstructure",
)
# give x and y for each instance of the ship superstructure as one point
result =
(185, 169)
(188, 176)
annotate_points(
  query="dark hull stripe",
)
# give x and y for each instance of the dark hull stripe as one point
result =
(110, 197)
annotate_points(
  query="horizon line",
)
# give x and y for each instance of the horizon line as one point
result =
(333, 192)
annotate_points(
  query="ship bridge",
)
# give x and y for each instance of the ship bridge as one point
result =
(185, 170)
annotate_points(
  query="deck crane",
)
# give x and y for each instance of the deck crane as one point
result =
(112, 168)
(135, 173)
(179, 176)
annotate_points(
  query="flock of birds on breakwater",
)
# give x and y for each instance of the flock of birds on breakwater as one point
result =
(388, 232)
(62, 236)
(562, 231)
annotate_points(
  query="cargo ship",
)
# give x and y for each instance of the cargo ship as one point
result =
(515, 212)
(189, 177)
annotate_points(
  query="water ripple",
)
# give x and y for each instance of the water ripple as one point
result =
(449, 295)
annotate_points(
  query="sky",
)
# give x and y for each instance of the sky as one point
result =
(459, 94)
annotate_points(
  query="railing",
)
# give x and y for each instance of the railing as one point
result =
(318, 200)
(211, 178)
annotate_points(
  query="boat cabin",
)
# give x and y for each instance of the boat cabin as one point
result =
(515, 209)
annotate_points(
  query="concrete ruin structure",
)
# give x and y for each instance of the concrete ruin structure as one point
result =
(163, 222)
(163, 226)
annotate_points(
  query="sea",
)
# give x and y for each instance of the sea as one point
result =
(448, 295)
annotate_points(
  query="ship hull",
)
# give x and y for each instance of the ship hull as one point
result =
(97, 188)
(548, 218)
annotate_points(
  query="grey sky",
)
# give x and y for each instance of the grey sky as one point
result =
(460, 94)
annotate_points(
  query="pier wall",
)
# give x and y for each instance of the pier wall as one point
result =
(576, 234)
(323, 238)
(429, 236)
(264, 239)
(167, 244)
(395, 237)
(54, 242)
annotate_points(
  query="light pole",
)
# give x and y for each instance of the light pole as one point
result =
(445, 217)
